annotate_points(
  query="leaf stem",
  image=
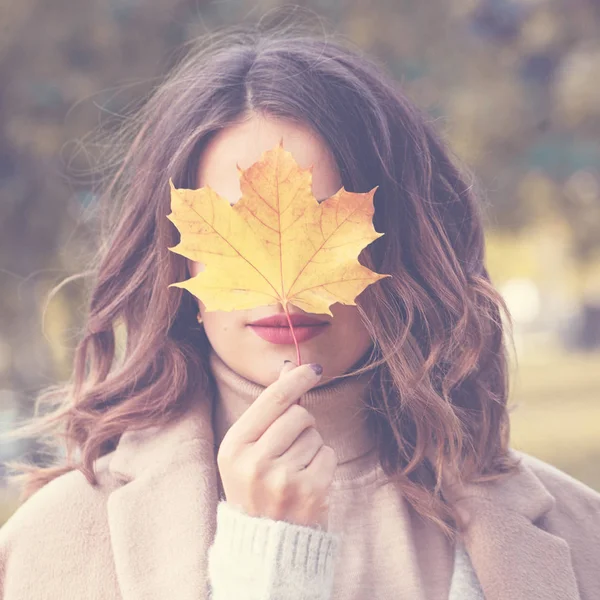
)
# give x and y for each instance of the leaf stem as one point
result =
(287, 314)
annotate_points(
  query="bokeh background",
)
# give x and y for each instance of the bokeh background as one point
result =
(512, 84)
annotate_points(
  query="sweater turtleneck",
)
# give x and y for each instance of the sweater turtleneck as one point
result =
(339, 408)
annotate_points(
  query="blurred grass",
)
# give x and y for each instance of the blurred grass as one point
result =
(558, 414)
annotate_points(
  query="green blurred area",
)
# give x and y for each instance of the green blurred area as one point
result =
(511, 84)
(558, 414)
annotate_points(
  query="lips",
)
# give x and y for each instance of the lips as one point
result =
(280, 320)
(276, 329)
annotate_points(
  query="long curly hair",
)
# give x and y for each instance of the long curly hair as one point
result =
(440, 390)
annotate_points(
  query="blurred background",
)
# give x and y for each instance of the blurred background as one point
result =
(512, 84)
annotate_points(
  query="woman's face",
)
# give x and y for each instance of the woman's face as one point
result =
(344, 339)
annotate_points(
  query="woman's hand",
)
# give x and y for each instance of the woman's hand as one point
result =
(272, 460)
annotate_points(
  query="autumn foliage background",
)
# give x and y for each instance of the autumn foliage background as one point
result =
(512, 84)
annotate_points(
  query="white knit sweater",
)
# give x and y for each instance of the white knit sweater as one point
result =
(255, 558)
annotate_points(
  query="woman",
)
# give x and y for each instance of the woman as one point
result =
(200, 464)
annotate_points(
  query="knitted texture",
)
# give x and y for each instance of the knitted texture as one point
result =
(255, 558)
(464, 584)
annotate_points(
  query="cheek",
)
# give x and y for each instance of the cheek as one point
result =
(222, 326)
(214, 322)
(216, 331)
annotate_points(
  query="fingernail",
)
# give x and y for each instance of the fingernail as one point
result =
(317, 368)
(286, 361)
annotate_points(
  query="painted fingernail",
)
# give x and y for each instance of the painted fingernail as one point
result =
(317, 368)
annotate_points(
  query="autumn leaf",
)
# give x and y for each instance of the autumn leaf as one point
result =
(277, 243)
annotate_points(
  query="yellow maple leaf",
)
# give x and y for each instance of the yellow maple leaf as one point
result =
(277, 244)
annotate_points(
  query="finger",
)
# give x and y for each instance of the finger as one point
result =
(273, 402)
(322, 468)
(303, 449)
(284, 431)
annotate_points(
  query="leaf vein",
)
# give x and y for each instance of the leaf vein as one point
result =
(232, 246)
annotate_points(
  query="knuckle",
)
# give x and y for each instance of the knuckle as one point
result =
(311, 420)
(247, 469)
(307, 490)
(330, 455)
(295, 411)
(299, 413)
(279, 397)
(315, 436)
(255, 469)
(280, 482)
(227, 454)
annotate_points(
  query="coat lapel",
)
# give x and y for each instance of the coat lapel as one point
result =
(513, 556)
(162, 520)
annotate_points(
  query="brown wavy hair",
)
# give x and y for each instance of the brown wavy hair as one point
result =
(441, 384)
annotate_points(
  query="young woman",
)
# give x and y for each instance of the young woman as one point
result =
(202, 462)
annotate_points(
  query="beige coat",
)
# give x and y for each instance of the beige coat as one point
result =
(143, 533)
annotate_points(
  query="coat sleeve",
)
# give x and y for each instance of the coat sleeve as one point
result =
(255, 558)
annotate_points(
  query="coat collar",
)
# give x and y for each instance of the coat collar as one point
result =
(514, 557)
(162, 520)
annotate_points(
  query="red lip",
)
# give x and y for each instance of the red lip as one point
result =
(280, 320)
(276, 329)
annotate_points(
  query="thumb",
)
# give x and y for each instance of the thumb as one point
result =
(288, 365)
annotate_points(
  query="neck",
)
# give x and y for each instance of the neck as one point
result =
(338, 407)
